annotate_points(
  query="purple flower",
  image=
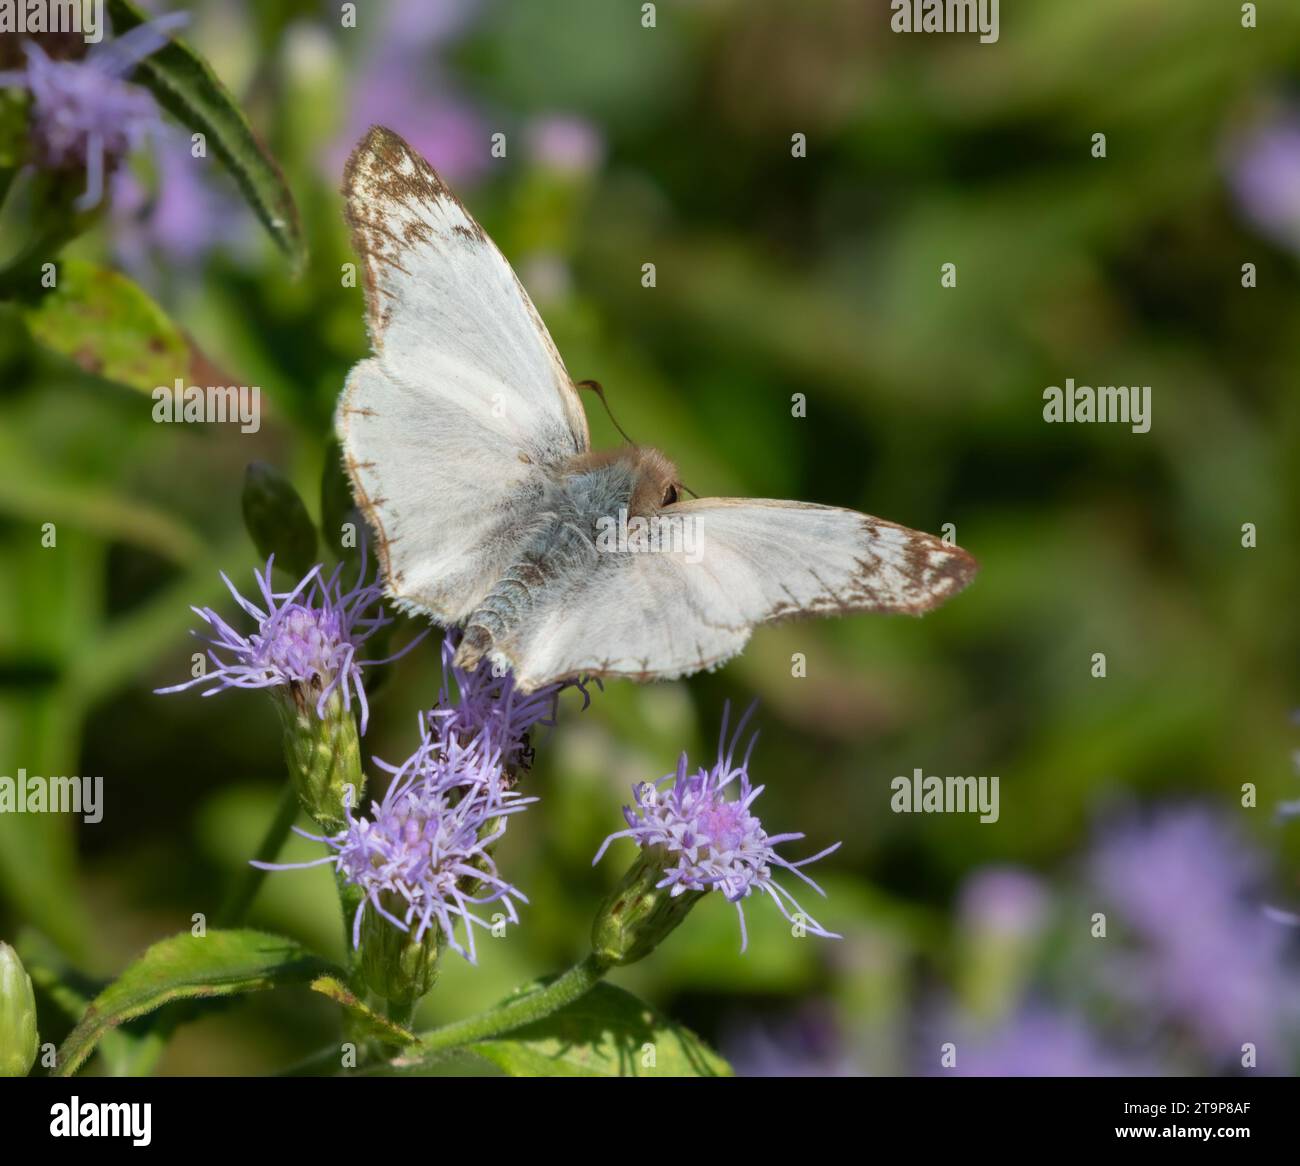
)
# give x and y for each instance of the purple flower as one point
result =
(424, 856)
(1204, 953)
(490, 712)
(448, 761)
(307, 639)
(709, 841)
(83, 113)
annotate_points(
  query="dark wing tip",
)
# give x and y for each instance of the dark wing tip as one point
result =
(386, 168)
(378, 140)
(953, 574)
(392, 165)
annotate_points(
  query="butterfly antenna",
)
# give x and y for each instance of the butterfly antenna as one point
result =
(596, 388)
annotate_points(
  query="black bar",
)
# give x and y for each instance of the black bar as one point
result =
(374, 1115)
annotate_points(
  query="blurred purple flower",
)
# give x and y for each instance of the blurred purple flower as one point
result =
(417, 22)
(1264, 173)
(1004, 901)
(1205, 953)
(711, 842)
(83, 113)
(806, 1043)
(307, 640)
(1036, 1043)
(183, 220)
(400, 85)
(561, 142)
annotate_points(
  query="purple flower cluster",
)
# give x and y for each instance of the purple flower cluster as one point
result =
(306, 639)
(83, 111)
(1204, 954)
(489, 713)
(423, 857)
(712, 841)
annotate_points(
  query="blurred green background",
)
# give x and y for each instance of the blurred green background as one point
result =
(775, 275)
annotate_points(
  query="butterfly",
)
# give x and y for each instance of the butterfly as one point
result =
(468, 451)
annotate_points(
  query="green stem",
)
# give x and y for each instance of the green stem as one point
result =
(249, 881)
(400, 1011)
(575, 983)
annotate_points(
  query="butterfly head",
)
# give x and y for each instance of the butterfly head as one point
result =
(655, 481)
(653, 478)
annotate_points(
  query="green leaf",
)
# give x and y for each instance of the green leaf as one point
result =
(70, 991)
(373, 1023)
(108, 326)
(277, 519)
(184, 84)
(605, 1033)
(189, 967)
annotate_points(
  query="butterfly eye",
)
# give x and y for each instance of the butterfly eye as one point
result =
(670, 496)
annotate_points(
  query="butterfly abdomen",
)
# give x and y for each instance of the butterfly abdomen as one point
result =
(557, 554)
(501, 608)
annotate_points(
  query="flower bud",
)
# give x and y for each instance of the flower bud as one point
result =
(638, 915)
(394, 964)
(322, 753)
(18, 1042)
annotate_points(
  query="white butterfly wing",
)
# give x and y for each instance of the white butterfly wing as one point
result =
(658, 615)
(450, 428)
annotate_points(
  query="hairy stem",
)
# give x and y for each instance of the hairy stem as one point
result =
(575, 983)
